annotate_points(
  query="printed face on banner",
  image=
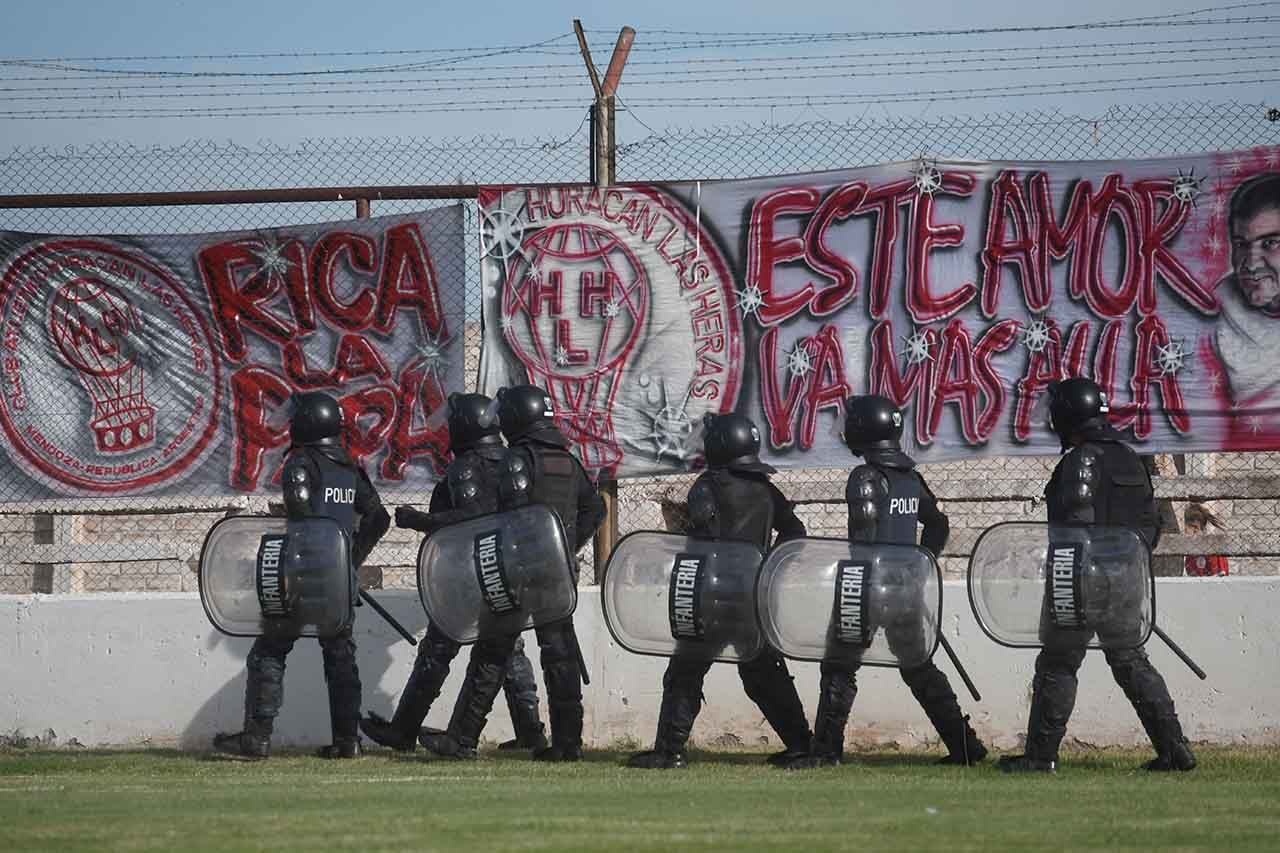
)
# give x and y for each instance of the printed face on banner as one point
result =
(615, 303)
(958, 290)
(1255, 257)
(167, 362)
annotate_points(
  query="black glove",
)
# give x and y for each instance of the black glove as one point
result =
(408, 517)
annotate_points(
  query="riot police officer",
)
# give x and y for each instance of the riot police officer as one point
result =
(320, 479)
(470, 488)
(539, 469)
(886, 499)
(1099, 481)
(733, 499)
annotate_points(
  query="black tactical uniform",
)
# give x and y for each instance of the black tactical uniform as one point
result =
(538, 469)
(1099, 481)
(886, 499)
(469, 489)
(320, 480)
(732, 500)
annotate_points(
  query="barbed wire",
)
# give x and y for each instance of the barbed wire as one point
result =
(1119, 84)
(557, 81)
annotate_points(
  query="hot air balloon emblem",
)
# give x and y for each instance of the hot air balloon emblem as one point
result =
(98, 332)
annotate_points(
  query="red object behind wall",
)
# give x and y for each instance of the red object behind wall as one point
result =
(1204, 566)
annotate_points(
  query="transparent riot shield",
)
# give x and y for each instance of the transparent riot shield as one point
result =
(500, 573)
(849, 602)
(1034, 583)
(269, 575)
(665, 593)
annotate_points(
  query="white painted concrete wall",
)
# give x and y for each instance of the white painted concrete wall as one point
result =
(147, 668)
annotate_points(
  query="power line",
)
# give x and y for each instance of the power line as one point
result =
(668, 77)
(504, 51)
(254, 77)
(820, 38)
(962, 94)
(310, 54)
(836, 72)
(267, 110)
(1086, 24)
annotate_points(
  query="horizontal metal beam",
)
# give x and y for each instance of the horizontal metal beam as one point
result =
(255, 196)
(961, 542)
(1017, 489)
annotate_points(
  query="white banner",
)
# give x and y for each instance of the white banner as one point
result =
(959, 289)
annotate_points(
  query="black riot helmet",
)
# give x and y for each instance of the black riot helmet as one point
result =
(523, 409)
(1076, 404)
(872, 422)
(471, 422)
(316, 418)
(732, 441)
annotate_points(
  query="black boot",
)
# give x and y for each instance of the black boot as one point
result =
(1146, 690)
(837, 690)
(1026, 764)
(342, 678)
(1053, 697)
(769, 684)
(681, 702)
(668, 747)
(243, 745)
(263, 695)
(445, 745)
(564, 692)
(1173, 750)
(566, 733)
(342, 748)
(521, 691)
(654, 759)
(485, 671)
(967, 751)
(430, 669)
(930, 687)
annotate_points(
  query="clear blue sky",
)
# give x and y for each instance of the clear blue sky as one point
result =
(52, 29)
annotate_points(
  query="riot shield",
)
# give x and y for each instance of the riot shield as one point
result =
(269, 575)
(1033, 583)
(500, 573)
(850, 602)
(667, 594)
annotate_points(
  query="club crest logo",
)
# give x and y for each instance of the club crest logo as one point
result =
(109, 381)
(620, 306)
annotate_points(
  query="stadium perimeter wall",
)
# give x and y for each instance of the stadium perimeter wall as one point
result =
(147, 669)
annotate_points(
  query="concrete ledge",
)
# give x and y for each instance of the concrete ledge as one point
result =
(128, 669)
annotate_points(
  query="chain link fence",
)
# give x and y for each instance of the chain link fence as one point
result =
(1212, 505)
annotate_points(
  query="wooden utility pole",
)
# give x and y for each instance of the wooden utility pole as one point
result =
(603, 173)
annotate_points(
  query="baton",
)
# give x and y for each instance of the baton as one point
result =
(582, 662)
(391, 620)
(951, 653)
(1168, 641)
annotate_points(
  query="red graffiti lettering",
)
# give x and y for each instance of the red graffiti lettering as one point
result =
(408, 281)
(256, 394)
(360, 253)
(822, 386)
(922, 303)
(914, 389)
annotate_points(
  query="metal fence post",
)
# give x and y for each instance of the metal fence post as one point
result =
(603, 171)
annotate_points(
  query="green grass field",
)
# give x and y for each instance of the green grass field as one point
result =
(161, 800)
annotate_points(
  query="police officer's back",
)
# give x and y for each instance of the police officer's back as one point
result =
(468, 489)
(887, 499)
(537, 468)
(732, 499)
(1099, 481)
(320, 479)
